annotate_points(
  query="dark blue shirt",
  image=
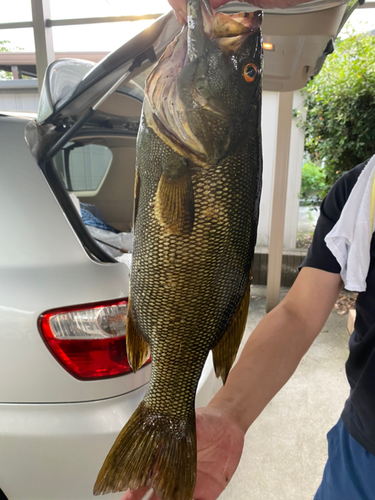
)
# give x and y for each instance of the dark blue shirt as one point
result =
(359, 412)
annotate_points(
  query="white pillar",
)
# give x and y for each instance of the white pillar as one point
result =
(297, 146)
(297, 140)
(43, 37)
(280, 184)
(269, 132)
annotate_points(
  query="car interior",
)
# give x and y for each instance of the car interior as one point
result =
(97, 169)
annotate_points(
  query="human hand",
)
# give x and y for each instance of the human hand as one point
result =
(219, 448)
(179, 6)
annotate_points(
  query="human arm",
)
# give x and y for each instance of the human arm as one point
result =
(269, 358)
(179, 6)
(277, 345)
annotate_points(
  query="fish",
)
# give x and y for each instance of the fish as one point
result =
(197, 192)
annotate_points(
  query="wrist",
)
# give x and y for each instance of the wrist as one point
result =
(231, 409)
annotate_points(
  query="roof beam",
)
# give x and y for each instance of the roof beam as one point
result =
(95, 20)
(10, 26)
(88, 20)
(29, 58)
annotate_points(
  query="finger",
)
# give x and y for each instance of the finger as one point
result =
(180, 16)
(143, 493)
(179, 7)
(149, 495)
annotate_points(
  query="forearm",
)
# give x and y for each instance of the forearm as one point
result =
(268, 360)
(277, 345)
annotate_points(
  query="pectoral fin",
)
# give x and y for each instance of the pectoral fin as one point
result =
(174, 200)
(137, 349)
(224, 353)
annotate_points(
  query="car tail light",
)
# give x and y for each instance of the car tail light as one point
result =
(89, 341)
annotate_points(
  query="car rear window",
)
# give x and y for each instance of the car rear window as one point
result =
(82, 168)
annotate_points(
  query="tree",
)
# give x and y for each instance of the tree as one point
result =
(340, 122)
(4, 75)
(312, 184)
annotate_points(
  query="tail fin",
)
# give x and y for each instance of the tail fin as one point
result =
(152, 450)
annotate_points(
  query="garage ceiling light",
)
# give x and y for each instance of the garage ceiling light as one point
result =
(268, 46)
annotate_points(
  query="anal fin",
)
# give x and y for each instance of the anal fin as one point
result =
(224, 353)
(137, 349)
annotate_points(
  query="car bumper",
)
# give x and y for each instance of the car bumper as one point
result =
(55, 451)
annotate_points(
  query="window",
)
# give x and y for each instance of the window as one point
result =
(83, 167)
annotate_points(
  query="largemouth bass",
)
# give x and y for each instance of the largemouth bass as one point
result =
(198, 183)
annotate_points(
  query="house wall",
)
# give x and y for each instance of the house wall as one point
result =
(19, 95)
(269, 131)
(297, 146)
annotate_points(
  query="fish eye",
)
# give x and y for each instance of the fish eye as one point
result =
(250, 72)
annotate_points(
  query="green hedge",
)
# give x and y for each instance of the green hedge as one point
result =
(340, 102)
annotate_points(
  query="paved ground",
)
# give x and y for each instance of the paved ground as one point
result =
(307, 217)
(285, 449)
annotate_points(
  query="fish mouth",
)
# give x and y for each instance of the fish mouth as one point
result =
(164, 110)
(232, 30)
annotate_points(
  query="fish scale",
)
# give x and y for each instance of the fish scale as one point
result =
(215, 248)
(196, 215)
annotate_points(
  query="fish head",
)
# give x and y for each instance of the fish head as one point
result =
(201, 93)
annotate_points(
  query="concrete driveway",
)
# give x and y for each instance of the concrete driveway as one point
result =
(286, 449)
